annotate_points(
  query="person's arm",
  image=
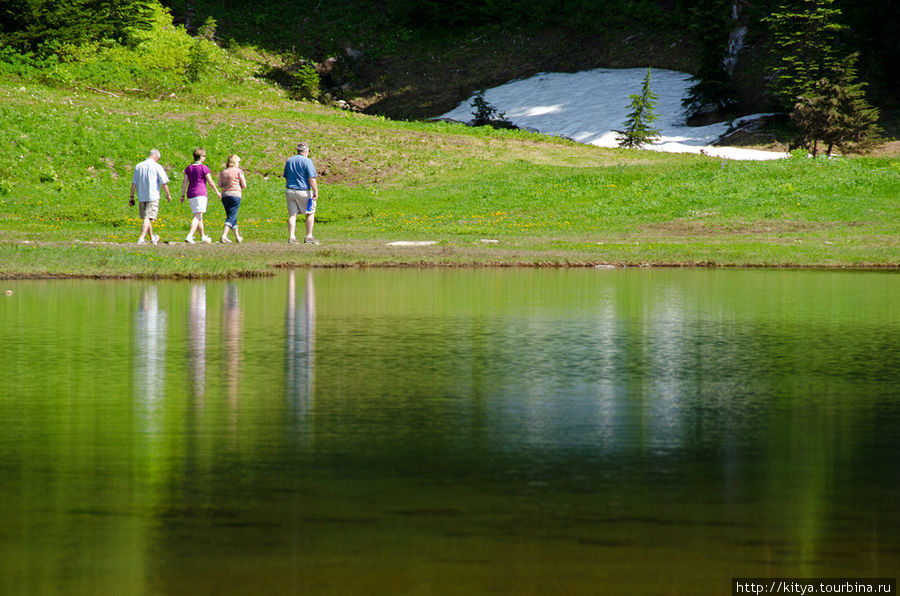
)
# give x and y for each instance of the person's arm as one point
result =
(315, 187)
(209, 179)
(243, 180)
(184, 183)
(131, 202)
(163, 181)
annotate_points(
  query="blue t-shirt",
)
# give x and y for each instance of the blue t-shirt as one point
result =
(297, 172)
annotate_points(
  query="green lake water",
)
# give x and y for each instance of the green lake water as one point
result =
(449, 432)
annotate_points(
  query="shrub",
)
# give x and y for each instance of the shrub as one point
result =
(202, 52)
(207, 30)
(161, 57)
(305, 82)
(164, 46)
(200, 59)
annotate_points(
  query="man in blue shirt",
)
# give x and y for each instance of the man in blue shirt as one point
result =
(149, 177)
(301, 193)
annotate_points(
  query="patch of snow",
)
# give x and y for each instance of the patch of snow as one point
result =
(588, 107)
(412, 243)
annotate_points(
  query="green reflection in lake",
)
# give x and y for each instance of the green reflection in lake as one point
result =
(474, 431)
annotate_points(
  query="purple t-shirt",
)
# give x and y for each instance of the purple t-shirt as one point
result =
(196, 174)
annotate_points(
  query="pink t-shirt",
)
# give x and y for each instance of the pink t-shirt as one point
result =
(231, 181)
(196, 174)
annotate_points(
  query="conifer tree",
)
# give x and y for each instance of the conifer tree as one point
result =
(484, 111)
(487, 115)
(638, 130)
(803, 41)
(835, 112)
(712, 85)
(42, 25)
(827, 104)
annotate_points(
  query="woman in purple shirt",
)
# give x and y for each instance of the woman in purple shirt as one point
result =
(196, 177)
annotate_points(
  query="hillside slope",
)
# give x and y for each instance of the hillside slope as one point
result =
(478, 195)
(411, 60)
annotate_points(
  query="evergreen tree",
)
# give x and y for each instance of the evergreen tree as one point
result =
(710, 27)
(43, 25)
(484, 112)
(638, 131)
(827, 105)
(835, 112)
(804, 33)
(487, 115)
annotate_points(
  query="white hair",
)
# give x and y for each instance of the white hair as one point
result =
(155, 153)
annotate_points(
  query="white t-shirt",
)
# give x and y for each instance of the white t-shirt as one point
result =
(148, 178)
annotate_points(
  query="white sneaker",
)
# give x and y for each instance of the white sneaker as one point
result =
(141, 241)
(189, 239)
(155, 239)
(206, 239)
(310, 240)
(224, 239)
(292, 240)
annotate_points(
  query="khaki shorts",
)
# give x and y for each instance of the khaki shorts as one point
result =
(300, 201)
(149, 210)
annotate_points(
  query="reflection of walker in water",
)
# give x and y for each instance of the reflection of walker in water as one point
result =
(197, 339)
(150, 351)
(231, 341)
(300, 347)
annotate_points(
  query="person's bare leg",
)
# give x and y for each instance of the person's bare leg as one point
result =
(194, 225)
(292, 227)
(146, 228)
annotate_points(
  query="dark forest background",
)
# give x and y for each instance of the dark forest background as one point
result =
(419, 58)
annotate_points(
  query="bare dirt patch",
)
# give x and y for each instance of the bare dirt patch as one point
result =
(700, 228)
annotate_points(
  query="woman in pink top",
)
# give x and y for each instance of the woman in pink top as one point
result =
(196, 177)
(232, 181)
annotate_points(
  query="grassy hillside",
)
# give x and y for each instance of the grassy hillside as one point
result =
(484, 196)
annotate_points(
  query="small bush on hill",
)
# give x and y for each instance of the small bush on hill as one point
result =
(305, 82)
(202, 52)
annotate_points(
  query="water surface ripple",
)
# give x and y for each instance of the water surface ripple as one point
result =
(476, 431)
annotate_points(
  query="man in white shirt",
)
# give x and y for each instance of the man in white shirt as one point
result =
(147, 180)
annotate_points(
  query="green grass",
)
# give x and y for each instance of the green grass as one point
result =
(66, 157)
